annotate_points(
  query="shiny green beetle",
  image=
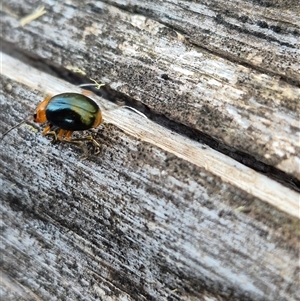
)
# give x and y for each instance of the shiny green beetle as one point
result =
(69, 112)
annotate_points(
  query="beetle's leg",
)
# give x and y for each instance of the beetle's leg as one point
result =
(91, 138)
(64, 136)
(77, 142)
(52, 133)
(46, 129)
(60, 134)
(80, 144)
(95, 143)
(68, 135)
(47, 132)
(88, 138)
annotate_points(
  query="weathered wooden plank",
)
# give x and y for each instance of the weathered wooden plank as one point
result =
(262, 34)
(155, 215)
(11, 290)
(138, 221)
(198, 154)
(251, 106)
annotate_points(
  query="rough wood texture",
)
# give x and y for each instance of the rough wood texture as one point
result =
(136, 221)
(246, 98)
(154, 216)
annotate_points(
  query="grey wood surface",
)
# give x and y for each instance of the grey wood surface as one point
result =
(156, 215)
(229, 69)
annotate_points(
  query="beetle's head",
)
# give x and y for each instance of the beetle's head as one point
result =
(40, 114)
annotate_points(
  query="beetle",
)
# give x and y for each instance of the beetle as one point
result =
(68, 112)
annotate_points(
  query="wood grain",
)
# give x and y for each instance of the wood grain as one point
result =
(198, 154)
(138, 221)
(156, 215)
(240, 87)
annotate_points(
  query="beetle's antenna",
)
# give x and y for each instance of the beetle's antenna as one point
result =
(96, 85)
(135, 110)
(15, 126)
